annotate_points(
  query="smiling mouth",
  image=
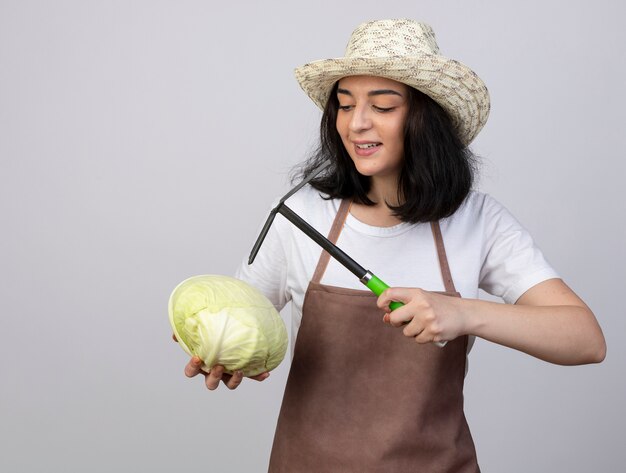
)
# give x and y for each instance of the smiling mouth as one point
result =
(367, 145)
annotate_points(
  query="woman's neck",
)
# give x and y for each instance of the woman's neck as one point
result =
(383, 192)
(384, 189)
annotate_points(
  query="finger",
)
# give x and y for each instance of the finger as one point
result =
(400, 316)
(213, 377)
(413, 328)
(387, 319)
(193, 367)
(398, 294)
(260, 377)
(234, 381)
(389, 295)
(430, 335)
(424, 338)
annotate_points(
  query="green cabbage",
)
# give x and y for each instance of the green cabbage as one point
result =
(227, 322)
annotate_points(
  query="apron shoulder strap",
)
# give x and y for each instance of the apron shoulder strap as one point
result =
(443, 259)
(333, 235)
(338, 224)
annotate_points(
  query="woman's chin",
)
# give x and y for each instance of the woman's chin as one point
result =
(368, 169)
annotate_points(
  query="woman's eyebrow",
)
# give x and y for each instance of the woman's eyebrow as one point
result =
(372, 92)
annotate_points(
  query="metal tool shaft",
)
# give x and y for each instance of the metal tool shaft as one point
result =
(354, 267)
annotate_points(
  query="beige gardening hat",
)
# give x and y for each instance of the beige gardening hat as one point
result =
(406, 51)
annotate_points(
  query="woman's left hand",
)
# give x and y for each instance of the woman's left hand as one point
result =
(426, 316)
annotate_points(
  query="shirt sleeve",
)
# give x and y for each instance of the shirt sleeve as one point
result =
(268, 272)
(512, 262)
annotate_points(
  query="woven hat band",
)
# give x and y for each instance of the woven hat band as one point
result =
(392, 38)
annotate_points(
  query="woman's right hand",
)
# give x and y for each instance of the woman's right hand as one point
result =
(216, 373)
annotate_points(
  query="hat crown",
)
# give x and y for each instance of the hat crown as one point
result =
(405, 51)
(392, 38)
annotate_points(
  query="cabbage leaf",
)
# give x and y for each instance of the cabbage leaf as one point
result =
(226, 321)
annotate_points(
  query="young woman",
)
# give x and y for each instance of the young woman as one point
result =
(368, 390)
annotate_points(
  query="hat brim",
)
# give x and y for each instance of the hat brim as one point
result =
(454, 86)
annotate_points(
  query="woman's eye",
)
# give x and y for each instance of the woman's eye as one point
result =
(375, 107)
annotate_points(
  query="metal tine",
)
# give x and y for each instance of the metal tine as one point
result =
(270, 218)
(317, 170)
(261, 237)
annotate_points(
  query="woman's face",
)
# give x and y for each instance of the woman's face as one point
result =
(370, 120)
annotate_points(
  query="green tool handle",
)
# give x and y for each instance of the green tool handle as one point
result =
(377, 286)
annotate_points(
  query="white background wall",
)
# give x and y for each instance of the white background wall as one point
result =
(142, 142)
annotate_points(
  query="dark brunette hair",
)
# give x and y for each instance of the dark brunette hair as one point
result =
(437, 173)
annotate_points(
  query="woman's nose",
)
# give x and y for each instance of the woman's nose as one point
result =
(360, 119)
